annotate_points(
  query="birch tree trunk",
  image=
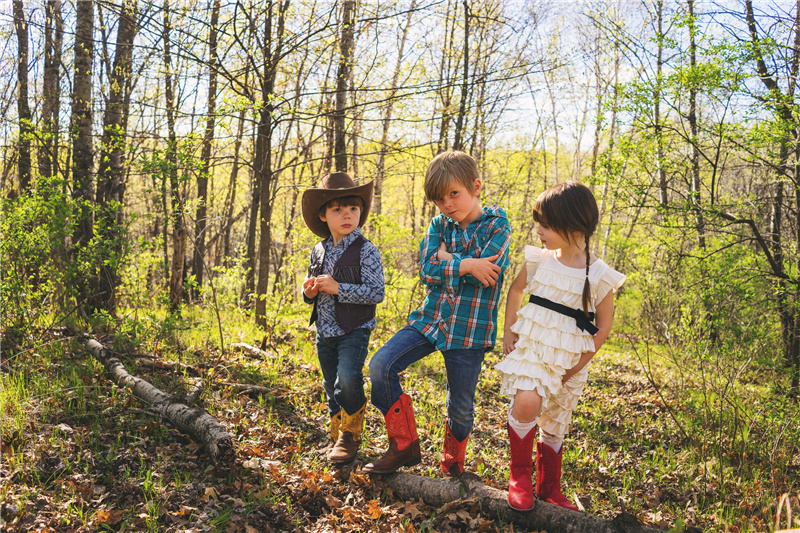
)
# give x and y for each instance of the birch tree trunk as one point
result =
(197, 423)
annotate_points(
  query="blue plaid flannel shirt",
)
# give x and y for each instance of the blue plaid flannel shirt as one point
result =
(459, 312)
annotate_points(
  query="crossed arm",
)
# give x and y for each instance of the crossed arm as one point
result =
(441, 267)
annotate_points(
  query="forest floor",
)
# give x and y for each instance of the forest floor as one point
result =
(78, 454)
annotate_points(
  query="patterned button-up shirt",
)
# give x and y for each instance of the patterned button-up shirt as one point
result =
(459, 312)
(371, 291)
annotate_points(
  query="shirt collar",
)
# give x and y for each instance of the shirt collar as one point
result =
(347, 239)
(457, 225)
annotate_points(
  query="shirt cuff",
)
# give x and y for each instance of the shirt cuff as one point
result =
(451, 274)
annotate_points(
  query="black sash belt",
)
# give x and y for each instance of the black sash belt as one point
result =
(584, 323)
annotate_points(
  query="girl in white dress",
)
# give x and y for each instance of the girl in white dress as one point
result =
(550, 342)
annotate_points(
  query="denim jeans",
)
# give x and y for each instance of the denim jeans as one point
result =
(408, 346)
(341, 360)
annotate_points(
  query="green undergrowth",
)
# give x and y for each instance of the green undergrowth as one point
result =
(662, 440)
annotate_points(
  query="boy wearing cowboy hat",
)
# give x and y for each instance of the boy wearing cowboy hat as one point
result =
(345, 284)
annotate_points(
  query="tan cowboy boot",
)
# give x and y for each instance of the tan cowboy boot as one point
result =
(349, 439)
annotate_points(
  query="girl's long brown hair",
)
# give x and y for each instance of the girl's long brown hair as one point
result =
(565, 208)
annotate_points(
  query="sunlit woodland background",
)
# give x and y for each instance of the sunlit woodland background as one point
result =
(154, 155)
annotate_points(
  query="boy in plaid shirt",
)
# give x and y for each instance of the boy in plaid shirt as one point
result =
(463, 257)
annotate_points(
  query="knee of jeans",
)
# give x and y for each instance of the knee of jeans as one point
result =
(350, 382)
(376, 367)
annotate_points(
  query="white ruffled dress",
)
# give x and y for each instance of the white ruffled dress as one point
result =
(550, 343)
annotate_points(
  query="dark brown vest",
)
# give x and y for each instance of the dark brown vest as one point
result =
(346, 270)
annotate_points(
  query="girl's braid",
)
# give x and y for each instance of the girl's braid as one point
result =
(587, 290)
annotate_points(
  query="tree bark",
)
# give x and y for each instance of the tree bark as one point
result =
(462, 106)
(198, 261)
(24, 111)
(110, 194)
(197, 423)
(446, 78)
(494, 502)
(81, 136)
(659, 128)
(272, 52)
(346, 51)
(51, 89)
(695, 159)
(377, 200)
(178, 219)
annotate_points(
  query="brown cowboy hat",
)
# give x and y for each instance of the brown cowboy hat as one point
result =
(333, 186)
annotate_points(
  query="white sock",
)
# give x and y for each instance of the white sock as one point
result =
(552, 441)
(522, 428)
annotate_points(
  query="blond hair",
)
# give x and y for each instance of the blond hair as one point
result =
(446, 169)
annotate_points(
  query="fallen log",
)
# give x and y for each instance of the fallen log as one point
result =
(252, 351)
(197, 423)
(494, 503)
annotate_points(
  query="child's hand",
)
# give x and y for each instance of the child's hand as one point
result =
(309, 288)
(483, 269)
(327, 285)
(442, 254)
(509, 342)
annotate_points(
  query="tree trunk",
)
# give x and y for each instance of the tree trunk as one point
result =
(695, 160)
(346, 51)
(51, 89)
(198, 262)
(111, 172)
(445, 81)
(81, 133)
(24, 111)
(658, 127)
(263, 163)
(230, 196)
(462, 106)
(377, 200)
(197, 423)
(178, 218)
(494, 502)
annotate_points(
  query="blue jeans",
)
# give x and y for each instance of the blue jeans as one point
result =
(341, 360)
(408, 346)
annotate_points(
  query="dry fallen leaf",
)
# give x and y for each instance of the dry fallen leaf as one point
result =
(211, 493)
(374, 509)
(112, 517)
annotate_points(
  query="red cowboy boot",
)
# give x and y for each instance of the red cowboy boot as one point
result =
(548, 476)
(520, 482)
(403, 440)
(453, 453)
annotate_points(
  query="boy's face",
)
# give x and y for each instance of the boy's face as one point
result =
(341, 220)
(461, 204)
